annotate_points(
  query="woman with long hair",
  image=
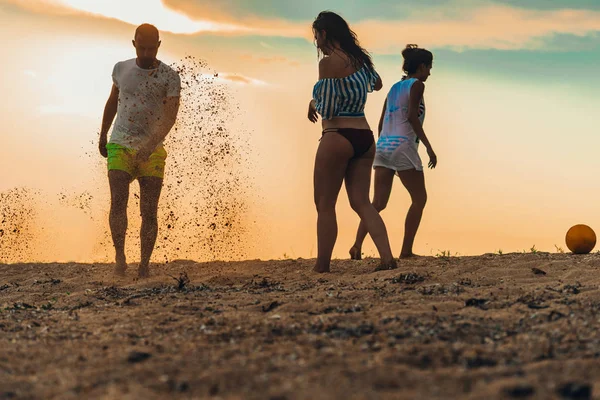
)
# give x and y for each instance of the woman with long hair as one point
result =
(400, 131)
(347, 147)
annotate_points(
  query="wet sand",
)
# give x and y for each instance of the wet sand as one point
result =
(492, 326)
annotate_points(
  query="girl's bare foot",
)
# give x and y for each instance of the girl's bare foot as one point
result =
(321, 269)
(355, 253)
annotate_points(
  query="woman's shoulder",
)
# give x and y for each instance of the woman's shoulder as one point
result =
(329, 67)
(408, 82)
(418, 84)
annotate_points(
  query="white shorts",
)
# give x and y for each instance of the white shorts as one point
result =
(401, 158)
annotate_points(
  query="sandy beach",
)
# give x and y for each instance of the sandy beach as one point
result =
(521, 325)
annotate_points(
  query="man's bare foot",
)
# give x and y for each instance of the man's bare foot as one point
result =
(355, 253)
(121, 265)
(321, 269)
(120, 270)
(409, 255)
(143, 272)
(386, 266)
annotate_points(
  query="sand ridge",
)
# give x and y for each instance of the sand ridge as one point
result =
(493, 326)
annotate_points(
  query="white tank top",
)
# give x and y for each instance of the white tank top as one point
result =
(397, 132)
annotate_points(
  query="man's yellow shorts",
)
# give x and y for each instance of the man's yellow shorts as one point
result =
(123, 159)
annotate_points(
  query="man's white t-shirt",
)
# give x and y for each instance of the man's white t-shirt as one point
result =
(142, 95)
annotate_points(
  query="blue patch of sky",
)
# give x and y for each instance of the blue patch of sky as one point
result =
(356, 10)
(553, 4)
(567, 59)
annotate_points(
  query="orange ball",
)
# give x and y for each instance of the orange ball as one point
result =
(581, 239)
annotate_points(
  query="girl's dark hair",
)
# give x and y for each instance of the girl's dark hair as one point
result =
(337, 29)
(414, 56)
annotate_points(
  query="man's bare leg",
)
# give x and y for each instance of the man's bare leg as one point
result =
(119, 195)
(150, 188)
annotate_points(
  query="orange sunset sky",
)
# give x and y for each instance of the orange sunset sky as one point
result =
(512, 112)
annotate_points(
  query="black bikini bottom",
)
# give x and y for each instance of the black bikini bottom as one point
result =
(360, 139)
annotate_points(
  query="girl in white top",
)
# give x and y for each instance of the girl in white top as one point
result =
(400, 131)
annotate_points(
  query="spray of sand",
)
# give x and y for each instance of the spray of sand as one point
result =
(208, 204)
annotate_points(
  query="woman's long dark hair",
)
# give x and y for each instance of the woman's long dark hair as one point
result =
(337, 29)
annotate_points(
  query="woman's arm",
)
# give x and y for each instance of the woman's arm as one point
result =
(324, 100)
(313, 115)
(378, 83)
(382, 118)
(416, 94)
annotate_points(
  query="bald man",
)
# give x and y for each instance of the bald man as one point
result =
(145, 99)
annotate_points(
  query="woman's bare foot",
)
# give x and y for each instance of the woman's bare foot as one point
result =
(321, 269)
(143, 272)
(355, 253)
(121, 265)
(386, 266)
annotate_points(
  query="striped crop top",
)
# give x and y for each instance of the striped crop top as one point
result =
(344, 97)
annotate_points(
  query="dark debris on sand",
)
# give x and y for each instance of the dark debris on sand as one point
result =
(137, 357)
(409, 278)
(522, 391)
(575, 391)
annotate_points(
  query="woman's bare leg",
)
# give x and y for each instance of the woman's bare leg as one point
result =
(358, 182)
(330, 167)
(384, 178)
(414, 182)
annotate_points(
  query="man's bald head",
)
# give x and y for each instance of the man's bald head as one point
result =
(147, 31)
(146, 42)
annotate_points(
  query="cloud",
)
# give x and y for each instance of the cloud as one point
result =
(136, 12)
(41, 6)
(49, 109)
(234, 78)
(251, 24)
(453, 25)
(489, 26)
(132, 12)
(269, 60)
(30, 73)
(67, 109)
(241, 79)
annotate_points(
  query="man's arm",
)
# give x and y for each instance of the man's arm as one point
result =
(163, 126)
(110, 110)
